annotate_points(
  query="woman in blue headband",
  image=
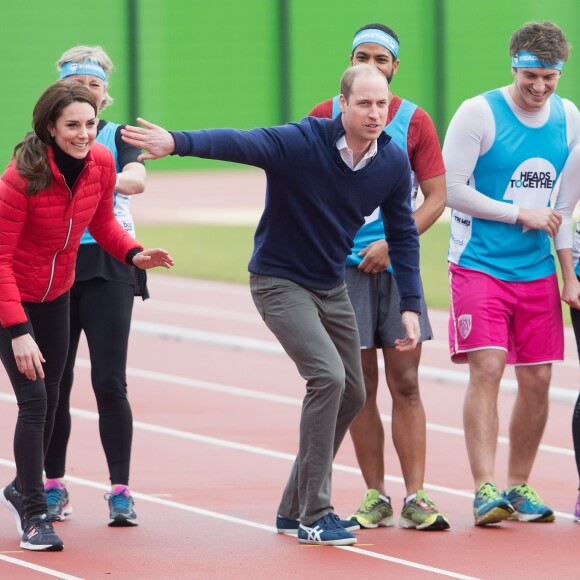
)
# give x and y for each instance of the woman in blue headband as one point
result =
(101, 306)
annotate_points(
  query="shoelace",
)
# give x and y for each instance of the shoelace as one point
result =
(53, 495)
(528, 493)
(43, 525)
(334, 520)
(488, 491)
(119, 500)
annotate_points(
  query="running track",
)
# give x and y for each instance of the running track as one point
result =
(216, 408)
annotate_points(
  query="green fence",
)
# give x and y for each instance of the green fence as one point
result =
(189, 64)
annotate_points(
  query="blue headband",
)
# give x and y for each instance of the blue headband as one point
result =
(86, 67)
(530, 60)
(377, 37)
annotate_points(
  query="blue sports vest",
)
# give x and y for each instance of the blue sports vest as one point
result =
(374, 229)
(521, 167)
(106, 137)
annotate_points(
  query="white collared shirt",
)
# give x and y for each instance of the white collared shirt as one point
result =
(347, 155)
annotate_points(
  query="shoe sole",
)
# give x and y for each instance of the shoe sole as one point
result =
(13, 511)
(440, 523)
(123, 523)
(494, 516)
(343, 542)
(387, 522)
(533, 518)
(42, 547)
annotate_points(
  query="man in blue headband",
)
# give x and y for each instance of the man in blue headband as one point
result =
(375, 296)
(504, 151)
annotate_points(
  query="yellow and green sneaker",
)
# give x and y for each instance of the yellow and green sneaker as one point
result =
(490, 505)
(528, 505)
(420, 513)
(374, 511)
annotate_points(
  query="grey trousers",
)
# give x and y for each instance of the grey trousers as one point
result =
(317, 329)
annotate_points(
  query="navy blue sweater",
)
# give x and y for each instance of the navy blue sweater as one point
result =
(315, 204)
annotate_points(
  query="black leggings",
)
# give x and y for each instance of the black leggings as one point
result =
(575, 316)
(37, 400)
(101, 309)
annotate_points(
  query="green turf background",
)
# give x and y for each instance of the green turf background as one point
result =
(218, 64)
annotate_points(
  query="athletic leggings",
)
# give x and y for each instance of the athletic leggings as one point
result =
(575, 316)
(37, 399)
(101, 309)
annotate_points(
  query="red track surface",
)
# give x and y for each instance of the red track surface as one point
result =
(216, 424)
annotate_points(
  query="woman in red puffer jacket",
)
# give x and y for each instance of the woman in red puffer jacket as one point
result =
(58, 183)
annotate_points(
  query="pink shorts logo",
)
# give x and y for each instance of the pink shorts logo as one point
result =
(464, 325)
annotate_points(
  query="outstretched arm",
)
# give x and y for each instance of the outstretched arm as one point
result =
(154, 139)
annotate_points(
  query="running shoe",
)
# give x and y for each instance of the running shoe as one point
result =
(325, 531)
(490, 505)
(577, 510)
(528, 505)
(39, 535)
(290, 527)
(57, 500)
(374, 511)
(421, 514)
(121, 507)
(12, 499)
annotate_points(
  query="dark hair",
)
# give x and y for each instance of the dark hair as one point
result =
(544, 39)
(378, 26)
(30, 154)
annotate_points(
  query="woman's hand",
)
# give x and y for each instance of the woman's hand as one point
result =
(156, 257)
(28, 357)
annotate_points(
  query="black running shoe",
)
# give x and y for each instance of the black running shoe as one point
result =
(39, 535)
(12, 499)
(121, 508)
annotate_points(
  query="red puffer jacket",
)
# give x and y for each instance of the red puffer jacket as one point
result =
(40, 234)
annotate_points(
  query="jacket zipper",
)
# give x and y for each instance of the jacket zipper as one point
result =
(70, 222)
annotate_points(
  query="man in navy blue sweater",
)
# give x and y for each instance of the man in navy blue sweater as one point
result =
(323, 177)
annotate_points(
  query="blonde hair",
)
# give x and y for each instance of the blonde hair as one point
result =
(94, 53)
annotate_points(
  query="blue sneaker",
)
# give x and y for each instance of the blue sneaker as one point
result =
(39, 535)
(528, 505)
(121, 507)
(490, 505)
(325, 531)
(57, 500)
(290, 527)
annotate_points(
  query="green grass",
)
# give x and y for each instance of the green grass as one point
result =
(222, 253)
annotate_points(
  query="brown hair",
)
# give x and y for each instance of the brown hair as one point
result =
(544, 39)
(30, 154)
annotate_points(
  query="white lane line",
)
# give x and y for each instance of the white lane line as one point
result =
(290, 401)
(508, 386)
(243, 522)
(255, 450)
(36, 567)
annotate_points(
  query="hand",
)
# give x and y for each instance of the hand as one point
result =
(410, 321)
(543, 218)
(28, 357)
(571, 293)
(152, 259)
(154, 139)
(376, 257)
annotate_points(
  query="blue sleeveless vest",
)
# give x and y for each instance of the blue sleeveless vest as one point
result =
(521, 167)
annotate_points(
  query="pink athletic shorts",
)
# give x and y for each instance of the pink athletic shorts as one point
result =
(522, 318)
